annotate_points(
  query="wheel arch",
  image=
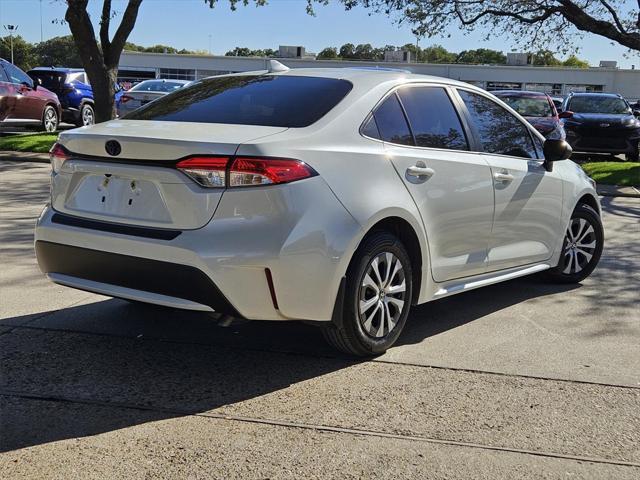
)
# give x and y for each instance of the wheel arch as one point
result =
(406, 233)
(591, 201)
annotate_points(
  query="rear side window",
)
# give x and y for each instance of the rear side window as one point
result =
(50, 80)
(500, 132)
(433, 119)
(269, 100)
(392, 123)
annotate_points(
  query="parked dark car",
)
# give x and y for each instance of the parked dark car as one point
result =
(74, 91)
(602, 123)
(25, 102)
(538, 108)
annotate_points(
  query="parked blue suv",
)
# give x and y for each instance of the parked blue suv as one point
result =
(73, 90)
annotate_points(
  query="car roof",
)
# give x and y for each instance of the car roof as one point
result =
(364, 77)
(598, 94)
(520, 93)
(58, 69)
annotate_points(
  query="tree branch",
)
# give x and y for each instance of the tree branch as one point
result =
(105, 20)
(120, 37)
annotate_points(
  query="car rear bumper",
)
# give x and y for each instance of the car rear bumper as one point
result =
(299, 232)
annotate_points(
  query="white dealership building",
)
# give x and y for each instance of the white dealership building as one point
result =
(135, 66)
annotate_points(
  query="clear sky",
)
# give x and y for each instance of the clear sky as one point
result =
(192, 25)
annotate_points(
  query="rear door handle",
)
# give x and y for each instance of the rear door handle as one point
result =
(503, 177)
(420, 171)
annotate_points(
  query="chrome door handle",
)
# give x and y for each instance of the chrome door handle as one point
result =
(419, 171)
(503, 177)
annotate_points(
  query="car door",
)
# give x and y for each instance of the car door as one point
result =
(528, 198)
(451, 186)
(28, 104)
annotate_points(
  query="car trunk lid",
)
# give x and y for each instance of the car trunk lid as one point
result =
(140, 185)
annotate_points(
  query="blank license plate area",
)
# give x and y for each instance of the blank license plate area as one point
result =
(120, 197)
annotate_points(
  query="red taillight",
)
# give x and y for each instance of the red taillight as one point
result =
(267, 171)
(207, 171)
(125, 98)
(212, 172)
(58, 155)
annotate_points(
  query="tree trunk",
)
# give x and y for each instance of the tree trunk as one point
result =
(103, 81)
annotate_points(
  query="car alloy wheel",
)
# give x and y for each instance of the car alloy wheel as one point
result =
(382, 295)
(580, 246)
(87, 116)
(50, 120)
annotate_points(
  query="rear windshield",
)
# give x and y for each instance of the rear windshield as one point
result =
(156, 86)
(268, 100)
(50, 80)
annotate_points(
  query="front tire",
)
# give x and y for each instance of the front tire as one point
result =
(50, 119)
(377, 299)
(87, 116)
(635, 155)
(582, 246)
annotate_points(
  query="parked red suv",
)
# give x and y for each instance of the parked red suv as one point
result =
(24, 101)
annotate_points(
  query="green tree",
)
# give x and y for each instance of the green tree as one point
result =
(575, 62)
(239, 52)
(23, 52)
(545, 57)
(364, 51)
(437, 54)
(329, 53)
(58, 52)
(347, 51)
(482, 56)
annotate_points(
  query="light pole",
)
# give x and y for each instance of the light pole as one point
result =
(11, 29)
(209, 44)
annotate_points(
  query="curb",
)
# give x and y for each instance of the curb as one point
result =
(616, 191)
(10, 156)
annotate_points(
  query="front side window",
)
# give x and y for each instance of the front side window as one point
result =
(392, 123)
(433, 119)
(268, 100)
(16, 75)
(499, 131)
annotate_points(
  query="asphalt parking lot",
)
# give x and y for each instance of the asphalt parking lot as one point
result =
(516, 380)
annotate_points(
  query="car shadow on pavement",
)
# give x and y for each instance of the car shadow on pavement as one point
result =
(108, 365)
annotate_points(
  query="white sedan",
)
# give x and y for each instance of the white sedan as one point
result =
(336, 196)
(145, 92)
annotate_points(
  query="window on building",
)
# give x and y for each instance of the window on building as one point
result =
(177, 74)
(503, 86)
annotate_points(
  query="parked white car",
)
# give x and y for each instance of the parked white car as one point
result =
(338, 196)
(145, 92)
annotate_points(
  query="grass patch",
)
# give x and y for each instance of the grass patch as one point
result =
(624, 174)
(35, 142)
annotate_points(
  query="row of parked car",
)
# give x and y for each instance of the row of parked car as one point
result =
(45, 96)
(590, 122)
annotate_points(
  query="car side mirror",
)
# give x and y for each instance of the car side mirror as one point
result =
(28, 85)
(565, 114)
(554, 151)
(636, 113)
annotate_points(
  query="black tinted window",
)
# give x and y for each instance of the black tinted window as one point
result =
(50, 80)
(392, 122)
(270, 100)
(500, 132)
(434, 122)
(370, 129)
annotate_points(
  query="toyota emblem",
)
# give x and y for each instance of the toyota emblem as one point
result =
(113, 148)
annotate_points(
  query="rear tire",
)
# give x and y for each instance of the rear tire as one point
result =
(582, 247)
(50, 120)
(378, 293)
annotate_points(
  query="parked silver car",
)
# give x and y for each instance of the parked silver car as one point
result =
(338, 196)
